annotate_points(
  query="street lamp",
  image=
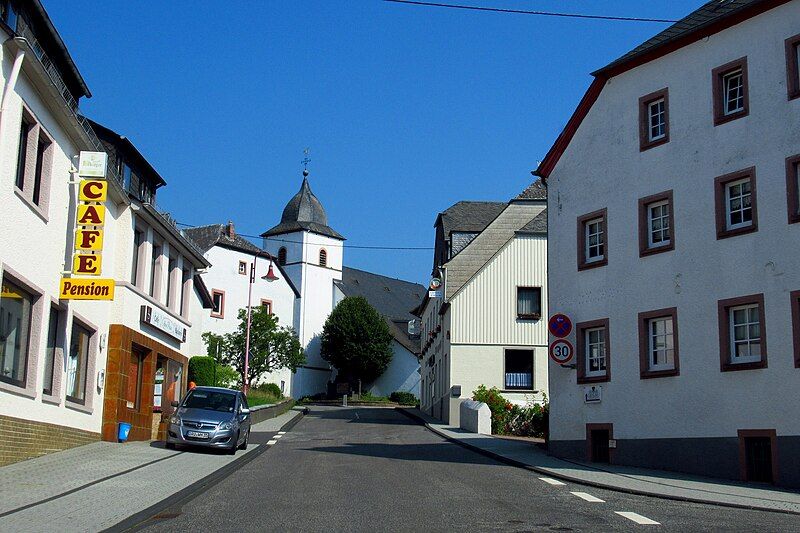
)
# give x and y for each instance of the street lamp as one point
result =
(270, 276)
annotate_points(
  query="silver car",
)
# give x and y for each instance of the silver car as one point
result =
(211, 417)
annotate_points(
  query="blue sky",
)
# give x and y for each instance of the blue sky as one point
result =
(406, 109)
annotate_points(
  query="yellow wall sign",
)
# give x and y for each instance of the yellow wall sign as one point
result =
(93, 191)
(91, 215)
(87, 265)
(89, 239)
(86, 289)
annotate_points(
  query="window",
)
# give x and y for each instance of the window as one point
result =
(243, 268)
(730, 91)
(793, 188)
(658, 343)
(795, 304)
(16, 305)
(323, 258)
(593, 352)
(155, 269)
(218, 308)
(41, 152)
(77, 362)
(792, 70)
(267, 304)
(133, 383)
(22, 152)
(654, 119)
(735, 198)
(656, 222)
(742, 336)
(592, 240)
(172, 272)
(282, 256)
(50, 353)
(529, 303)
(138, 238)
(519, 369)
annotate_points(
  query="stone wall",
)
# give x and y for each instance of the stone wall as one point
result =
(26, 439)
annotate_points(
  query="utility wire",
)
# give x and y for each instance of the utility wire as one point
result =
(527, 12)
(326, 245)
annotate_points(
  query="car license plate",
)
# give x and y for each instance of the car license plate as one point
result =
(197, 434)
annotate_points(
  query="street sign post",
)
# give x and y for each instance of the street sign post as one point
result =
(561, 351)
(560, 325)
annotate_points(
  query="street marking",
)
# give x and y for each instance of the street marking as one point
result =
(551, 481)
(588, 497)
(277, 436)
(639, 519)
(270, 443)
(281, 433)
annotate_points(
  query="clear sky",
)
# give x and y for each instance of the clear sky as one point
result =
(406, 109)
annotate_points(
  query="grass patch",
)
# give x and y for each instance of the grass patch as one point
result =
(258, 397)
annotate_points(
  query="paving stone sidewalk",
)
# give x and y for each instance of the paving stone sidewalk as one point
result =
(94, 487)
(658, 483)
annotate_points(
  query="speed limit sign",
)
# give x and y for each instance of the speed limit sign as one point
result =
(561, 351)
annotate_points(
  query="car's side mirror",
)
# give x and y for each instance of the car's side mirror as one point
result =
(174, 403)
(244, 411)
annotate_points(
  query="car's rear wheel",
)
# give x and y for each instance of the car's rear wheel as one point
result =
(246, 438)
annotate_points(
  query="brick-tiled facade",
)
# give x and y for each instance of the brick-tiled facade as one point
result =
(26, 439)
(121, 343)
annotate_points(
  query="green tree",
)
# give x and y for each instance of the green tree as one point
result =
(356, 340)
(272, 347)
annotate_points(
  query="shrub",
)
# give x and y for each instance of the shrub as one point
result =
(368, 397)
(498, 405)
(228, 377)
(510, 419)
(271, 388)
(201, 370)
(403, 398)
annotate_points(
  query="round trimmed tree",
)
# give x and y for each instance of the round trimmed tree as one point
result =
(356, 340)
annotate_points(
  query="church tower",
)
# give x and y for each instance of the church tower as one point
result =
(310, 253)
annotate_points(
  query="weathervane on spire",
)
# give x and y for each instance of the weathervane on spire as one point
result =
(306, 160)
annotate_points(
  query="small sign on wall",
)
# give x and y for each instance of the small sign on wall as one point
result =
(593, 394)
(163, 322)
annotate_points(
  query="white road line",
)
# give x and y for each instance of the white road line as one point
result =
(588, 497)
(273, 441)
(277, 436)
(551, 481)
(281, 433)
(639, 519)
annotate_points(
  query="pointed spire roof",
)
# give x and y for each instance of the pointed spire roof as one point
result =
(304, 212)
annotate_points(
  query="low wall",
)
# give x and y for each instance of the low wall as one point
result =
(26, 439)
(260, 413)
(475, 417)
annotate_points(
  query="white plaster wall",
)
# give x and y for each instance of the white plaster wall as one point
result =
(603, 168)
(401, 375)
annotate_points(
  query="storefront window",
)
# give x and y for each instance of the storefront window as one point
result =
(50, 353)
(133, 390)
(76, 363)
(15, 327)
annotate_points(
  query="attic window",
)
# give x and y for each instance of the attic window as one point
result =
(323, 258)
(282, 256)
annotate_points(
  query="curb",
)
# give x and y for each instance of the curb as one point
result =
(573, 479)
(146, 517)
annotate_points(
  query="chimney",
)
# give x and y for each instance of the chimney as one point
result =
(229, 231)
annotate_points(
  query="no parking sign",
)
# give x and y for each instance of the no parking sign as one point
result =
(560, 325)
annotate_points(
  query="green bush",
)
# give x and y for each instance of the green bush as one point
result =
(201, 370)
(228, 377)
(403, 398)
(498, 405)
(260, 397)
(510, 419)
(271, 388)
(368, 397)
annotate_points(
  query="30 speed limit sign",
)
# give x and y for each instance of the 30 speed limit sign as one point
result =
(561, 351)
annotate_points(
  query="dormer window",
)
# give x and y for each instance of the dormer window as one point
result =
(323, 258)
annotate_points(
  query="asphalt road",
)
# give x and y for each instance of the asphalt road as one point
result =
(373, 469)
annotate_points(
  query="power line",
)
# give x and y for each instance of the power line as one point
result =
(526, 12)
(354, 246)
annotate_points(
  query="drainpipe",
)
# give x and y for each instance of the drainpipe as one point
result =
(10, 84)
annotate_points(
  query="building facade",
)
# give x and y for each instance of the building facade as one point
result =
(488, 327)
(673, 235)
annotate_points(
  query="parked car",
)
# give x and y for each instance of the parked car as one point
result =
(212, 417)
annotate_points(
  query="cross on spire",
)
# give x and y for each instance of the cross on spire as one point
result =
(306, 160)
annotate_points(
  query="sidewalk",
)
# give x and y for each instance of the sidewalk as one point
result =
(657, 483)
(96, 486)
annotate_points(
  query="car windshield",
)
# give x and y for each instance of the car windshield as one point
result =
(211, 400)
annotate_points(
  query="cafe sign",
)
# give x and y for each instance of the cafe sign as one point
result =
(160, 320)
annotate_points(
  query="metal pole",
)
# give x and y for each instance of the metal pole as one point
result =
(249, 312)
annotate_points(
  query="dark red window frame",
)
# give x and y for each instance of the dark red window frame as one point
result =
(719, 98)
(792, 68)
(720, 185)
(723, 307)
(644, 343)
(644, 229)
(644, 119)
(580, 360)
(582, 220)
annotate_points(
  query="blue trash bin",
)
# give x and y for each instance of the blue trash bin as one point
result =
(124, 429)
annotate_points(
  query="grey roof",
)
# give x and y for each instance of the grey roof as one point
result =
(304, 212)
(709, 13)
(392, 298)
(537, 225)
(535, 191)
(469, 217)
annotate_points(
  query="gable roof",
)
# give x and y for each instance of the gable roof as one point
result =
(206, 237)
(468, 217)
(392, 298)
(463, 267)
(712, 17)
(536, 226)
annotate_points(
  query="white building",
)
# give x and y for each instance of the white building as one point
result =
(675, 171)
(489, 327)
(228, 279)
(310, 252)
(394, 299)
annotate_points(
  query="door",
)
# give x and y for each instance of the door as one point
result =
(599, 445)
(758, 459)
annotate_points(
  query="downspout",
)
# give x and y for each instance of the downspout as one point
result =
(9, 87)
